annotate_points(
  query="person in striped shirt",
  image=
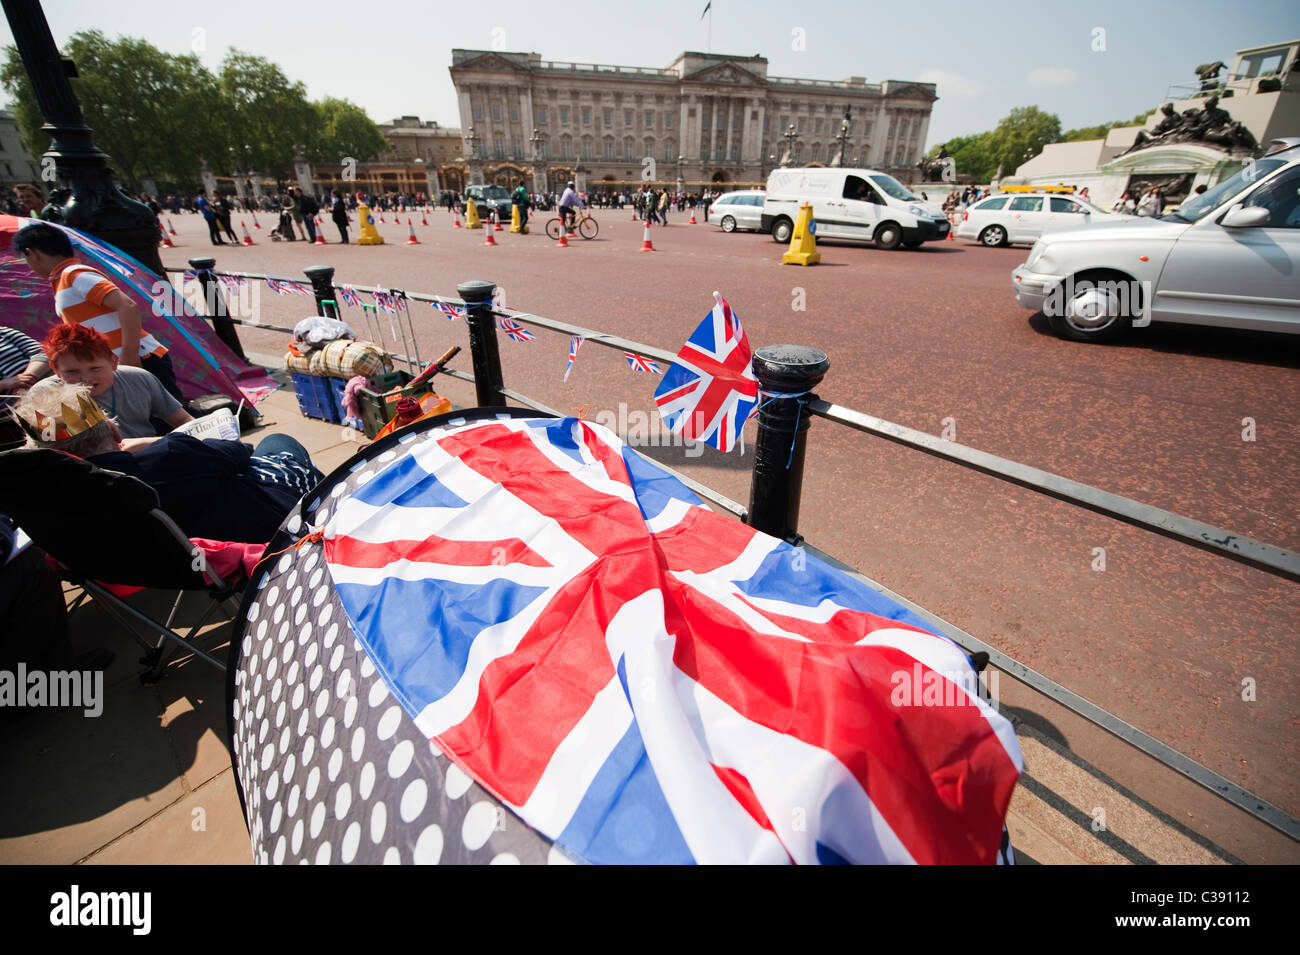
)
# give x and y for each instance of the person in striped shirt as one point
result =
(85, 296)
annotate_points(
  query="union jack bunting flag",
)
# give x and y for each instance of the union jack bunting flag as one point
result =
(515, 330)
(350, 296)
(644, 681)
(641, 363)
(385, 301)
(574, 344)
(190, 275)
(231, 282)
(710, 391)
(451, 311)
(287, 288)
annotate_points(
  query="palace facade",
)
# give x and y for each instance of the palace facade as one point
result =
(705, 121)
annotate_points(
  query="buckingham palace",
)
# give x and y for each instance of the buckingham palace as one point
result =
(705, 121)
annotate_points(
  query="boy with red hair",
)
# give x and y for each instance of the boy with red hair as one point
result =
(131, 396)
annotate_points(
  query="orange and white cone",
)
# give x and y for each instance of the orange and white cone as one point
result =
(496, 223)
(170, 226)
(256, 224)
(488, 238)
(166, 242)
(692, 222)
(457, 222)
(423, 219)
(411, 239)
(248, 239)
(381, 217)
(564, 240)
(646, 244)
(320, 230)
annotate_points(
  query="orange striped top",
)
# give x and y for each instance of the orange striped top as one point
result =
(79, 293)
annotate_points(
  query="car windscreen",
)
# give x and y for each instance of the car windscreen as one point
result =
(495, 192)
(1198, 207)
(893, 188)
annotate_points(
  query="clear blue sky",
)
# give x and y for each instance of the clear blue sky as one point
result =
(391, 56)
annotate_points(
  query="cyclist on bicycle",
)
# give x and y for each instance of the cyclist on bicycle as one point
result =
(568, 202)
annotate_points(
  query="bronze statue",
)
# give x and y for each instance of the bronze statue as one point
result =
(931, 170)
(1209, 75)
(1196, 125)
(1163, 131)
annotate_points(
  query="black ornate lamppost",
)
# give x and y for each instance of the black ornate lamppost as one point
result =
(789, 137)
(90, 199)
(843, 137)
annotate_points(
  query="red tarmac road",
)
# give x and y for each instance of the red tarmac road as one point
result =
(1166, 636)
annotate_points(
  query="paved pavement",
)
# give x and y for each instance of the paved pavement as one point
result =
(1164, 636)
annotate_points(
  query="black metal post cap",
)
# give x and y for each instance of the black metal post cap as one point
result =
(203, 262)
(476, 290)
(790, 368)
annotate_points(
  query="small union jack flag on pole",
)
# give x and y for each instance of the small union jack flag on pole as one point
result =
(710, 391)
(350, 296)
(287, 288)
(641, 363)
(451, 311)
(574, 344)
(515, 330)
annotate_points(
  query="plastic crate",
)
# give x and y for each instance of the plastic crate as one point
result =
(315, 397)
(337, 387)
(378, 408)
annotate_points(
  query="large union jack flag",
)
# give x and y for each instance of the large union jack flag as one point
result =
(642, 680)
(710, 391)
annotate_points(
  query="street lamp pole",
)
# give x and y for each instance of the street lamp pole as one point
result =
(90, 200)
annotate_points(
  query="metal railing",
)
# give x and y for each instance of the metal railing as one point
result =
(787, 378)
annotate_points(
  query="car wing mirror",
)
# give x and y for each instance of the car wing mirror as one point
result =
(1245, 217)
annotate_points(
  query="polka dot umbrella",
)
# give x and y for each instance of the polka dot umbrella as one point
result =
(495, 637)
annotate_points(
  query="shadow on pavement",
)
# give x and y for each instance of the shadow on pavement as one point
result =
(1200, 341)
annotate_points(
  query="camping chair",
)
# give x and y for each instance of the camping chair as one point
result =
(106, 529)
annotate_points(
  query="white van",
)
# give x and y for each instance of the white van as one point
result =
(851, 204)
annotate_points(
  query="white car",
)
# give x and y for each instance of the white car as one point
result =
(1023, 217)
(738, 210)
(1228, 257)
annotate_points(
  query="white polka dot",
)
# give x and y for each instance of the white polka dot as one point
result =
(308, 749)
(263, 728)
(261, 701)
(295, 841)
(389, 722)
(285, 563)
(327, 733)
(272, 785)
(336, 658)
(556, 857)
(323, 854)
(279, 613)
(350, 711)
(276, 689)
(297, 591)
(287, 653)
(342, 801)
(316, 675)
(255, 609)
(330, 634)
(338, 490)
(291, 805)
(413, 800)
(322, 703)
(285, 739)
(387, 456)
(434, 749)
(268, 754)
(302, 722)
(304, 635)
(309, 658)
(392, 856)
(299, 615)
(280, 846)
(317, 819)
(319, 597)
(358, 743)
(378, 822)
(299, 694)
(428, 847)
(272, 664)
(457, 783)
(295, 523)
(315, 577)
(273, 594)
(366, 782)
(367, 664)
(335, 764)
(313, 558)
(326, 612)
(282, 634)
(343, 686)
(261, 629)
(277, 813)
(479, 823)
(287, 773)
(279, 712)
(399, 760)
(351, 840)
(378, 693)
(313, 782)
(505, 858)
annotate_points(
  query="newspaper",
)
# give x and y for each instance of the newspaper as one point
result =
(219, 424)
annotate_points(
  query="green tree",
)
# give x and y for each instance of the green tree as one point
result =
(344, 130)
(267, 113)
(970, 156)
(1021, 135)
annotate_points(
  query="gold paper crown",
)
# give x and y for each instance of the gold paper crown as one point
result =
(70, 422)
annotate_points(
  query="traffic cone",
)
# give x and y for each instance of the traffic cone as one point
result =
(564, 241)
(166, 242)
(646, 245)
(423, 219)
(381, 217)
(488, 238)
(170, 227)
(496, 223)
(256, 224)
(411, 239)
(457, 222)
(692, 222)
(248, 239)
(320, 229)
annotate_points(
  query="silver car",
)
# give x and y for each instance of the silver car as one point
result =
(1229, 257)
(738, 210)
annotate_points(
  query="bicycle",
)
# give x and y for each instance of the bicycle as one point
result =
(585, 226)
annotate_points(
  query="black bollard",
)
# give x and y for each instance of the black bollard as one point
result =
(488, 383)
(218, 311)
(782, 426)
(322, 285)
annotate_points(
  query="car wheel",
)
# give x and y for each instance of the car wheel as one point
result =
(1098, 308)
(781, 230)
(994, 236)
(889, 236)
(728, 223)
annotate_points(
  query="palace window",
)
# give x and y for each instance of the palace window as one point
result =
(649, 120)
(609, 117)
(668, 120)
(478, 112)
(627, 117)
(586, 149)
(609, 149)
(514, 114)
(541, 116)
(496, 112)
(586, 116)
(564, 116)
(817, 125)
